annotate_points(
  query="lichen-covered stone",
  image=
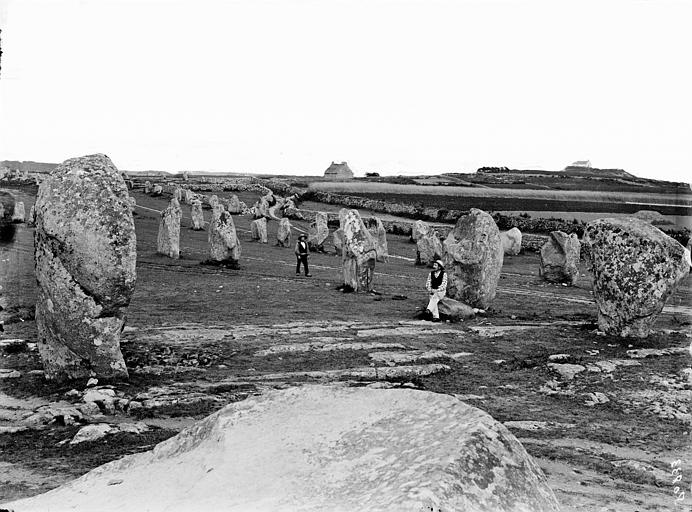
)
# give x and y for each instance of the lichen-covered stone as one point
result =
(428, 248)
(197, 215)
(560, 258)
(359, 252)
(234, 205)
(473, 259)
(636, 267)
(511, 241)
(258, 230)
(379, 233)
(283, 233)
(224, 246)
(419, 230)
(85, 256)
(318, 232)
(455, 311)
(338, 240)
(168, 240)
(322, 448)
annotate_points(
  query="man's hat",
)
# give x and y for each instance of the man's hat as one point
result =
(302, 235)
(439, 262)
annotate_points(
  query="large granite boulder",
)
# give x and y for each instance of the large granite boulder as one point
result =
(188, 196)
(178, 193)
(473, 259)
(262, 206)
(147, 187)
(19, 214)
(455, 311)
(283, 233)
(157, 189)
(322, 448)
(224, 246)
(234, 205)
(560, 258)
(338, 240)
(379, 233)
(258, 230)
(636, 267)
(359, 252)
(85, 255)
(318, 233)
(289, 209)
(197, 215)
(511, 241)
(428, 248)
(168, 240)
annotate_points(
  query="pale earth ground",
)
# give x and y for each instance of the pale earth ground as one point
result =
(199, 337)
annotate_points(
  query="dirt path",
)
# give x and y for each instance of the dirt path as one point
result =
(200, 337)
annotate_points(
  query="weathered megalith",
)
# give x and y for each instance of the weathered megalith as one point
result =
(19, 214)
(419, 229)
(157, 189)
(338, 240)
(188, 196)
(168, 241)
(178, 193)
(233, 205)
(473, 259)
(455, 311)
(133, 203)
(258, 230)
(85, 255)
(636, 267)
(560, 258)
(283, 233)
(262, 206)
(289, 209)
(31, 220)
(197, 215)
(147, 187)
(224, 246)
(428, 248)
(339, 449)
(319, 231)
(359, 252)
(511, 241)
(379, 233)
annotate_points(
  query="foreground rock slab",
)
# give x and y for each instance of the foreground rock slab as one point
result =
(636, 267)
(320, 448)
(85, 256)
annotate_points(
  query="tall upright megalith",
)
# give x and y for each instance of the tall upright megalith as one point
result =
(360, 251)
(224, 246)
(197, 215)
(319, 232)
(168, 241)
(283, 233)
(636, 267)
(560, 258)
(473, 259)
(85, 256)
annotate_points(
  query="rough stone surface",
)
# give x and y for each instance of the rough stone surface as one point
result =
(168, 241)
(428, 248)
(473, 259)
(283, 233)
(338, 240)
(85, 256)
(258, 230)
(224, 246)
(157, 190)
(323, 448)
(636, 267)
(511, 241)
(19, 214)
(197, 215)
(379, 233)
(454, 310)
(319, 232)
(560, 258)
(359, 252)
(233, 205)
(565, 370)
(419, 230)
(147, 187)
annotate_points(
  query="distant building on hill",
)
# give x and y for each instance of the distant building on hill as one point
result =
(338, 172)
(581, 163)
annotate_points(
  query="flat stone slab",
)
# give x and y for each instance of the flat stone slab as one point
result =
(641, 353)
(322, 448)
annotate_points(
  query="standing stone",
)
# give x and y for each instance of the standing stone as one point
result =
(197, 215)
(233, 205)
(289, 209)
(473, 259)
(359, 252)
(262, 206)
(338, 240)
(339, 449)
(19, 214)
(212, 201)
(511, 241)
(318, 233)
(188, 196)
(428, 248)
(157, 190)
(85, 256)
(133, 203)
(636, 267)
(31, 221)
(419, 230)
(258, 230)
(560, 258)
(283, 233)
(224, 246)
(178, 193)
(147, 187)
(379, 233)
(130, 184)
(186, 176)
(169, 230)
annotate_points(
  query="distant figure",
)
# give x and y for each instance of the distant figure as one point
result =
(437, 288)
(302, 255)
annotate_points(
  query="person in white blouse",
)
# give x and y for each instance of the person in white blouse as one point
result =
(437, 288)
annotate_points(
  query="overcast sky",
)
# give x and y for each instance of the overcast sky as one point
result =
(399, 87)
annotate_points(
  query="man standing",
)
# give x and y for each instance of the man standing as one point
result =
(437, 288)
(302, 255)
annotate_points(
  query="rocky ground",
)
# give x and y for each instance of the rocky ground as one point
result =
(607, 419)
